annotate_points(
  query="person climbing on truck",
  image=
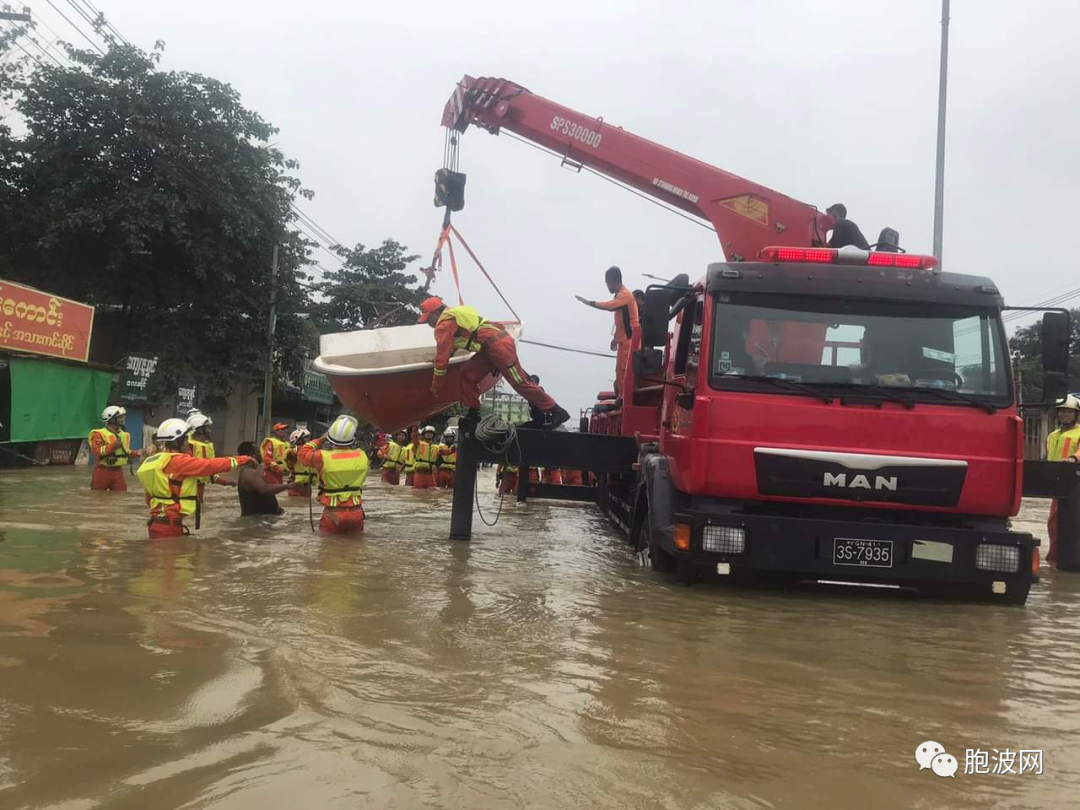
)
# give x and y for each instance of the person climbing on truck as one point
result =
(625, 308)
(845, 232)
(1063, 444)
(462, 327)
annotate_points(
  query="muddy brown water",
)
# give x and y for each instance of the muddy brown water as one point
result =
(257, 665)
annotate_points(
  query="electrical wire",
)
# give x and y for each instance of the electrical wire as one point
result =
(77, 28)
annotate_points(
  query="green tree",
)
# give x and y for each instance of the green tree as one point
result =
(157, 196)
(372, 289)
(1026, 348)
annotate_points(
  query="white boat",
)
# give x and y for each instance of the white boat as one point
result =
(384, 375)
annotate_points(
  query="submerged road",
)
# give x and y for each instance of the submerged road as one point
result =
(261, 666)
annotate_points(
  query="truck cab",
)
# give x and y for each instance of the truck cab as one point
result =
(831, 415)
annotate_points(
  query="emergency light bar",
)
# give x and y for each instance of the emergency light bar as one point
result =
(847, 255)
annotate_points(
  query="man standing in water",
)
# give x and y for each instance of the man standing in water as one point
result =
(342, 468)
(1062, 444)
(273, 450)
(171, 478)
(111, 448)
(256, 496)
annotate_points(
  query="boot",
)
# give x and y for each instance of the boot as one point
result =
(555, 417)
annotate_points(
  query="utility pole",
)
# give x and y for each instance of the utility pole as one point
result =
(939, 174)
(268, 381)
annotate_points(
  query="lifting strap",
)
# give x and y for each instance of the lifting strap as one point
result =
(436, 264)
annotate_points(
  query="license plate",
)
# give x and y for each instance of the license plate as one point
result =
(866, 553)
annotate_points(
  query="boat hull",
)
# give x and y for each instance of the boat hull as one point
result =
(383, 376)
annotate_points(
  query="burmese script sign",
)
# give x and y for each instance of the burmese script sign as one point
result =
(39, 323)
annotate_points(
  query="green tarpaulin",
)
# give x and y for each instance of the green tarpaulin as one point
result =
(55, 401)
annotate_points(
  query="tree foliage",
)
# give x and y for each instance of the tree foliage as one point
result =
(157, 196)
(372, 289)
(1026, 348)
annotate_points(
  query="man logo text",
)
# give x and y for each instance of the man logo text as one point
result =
(860, 482)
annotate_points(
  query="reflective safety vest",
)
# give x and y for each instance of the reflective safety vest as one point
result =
(448, 458)
(426, 454)
(201, 449)
(1061, 444)
(468, 321)
(278, 451)
(408, 459)
(341, 481)
(122, 453)
(392, 456)
(302, 474)
(165, 492)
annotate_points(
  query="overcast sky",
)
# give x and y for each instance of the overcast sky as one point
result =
(828, 101)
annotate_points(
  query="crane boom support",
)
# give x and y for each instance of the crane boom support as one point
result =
(745, 215)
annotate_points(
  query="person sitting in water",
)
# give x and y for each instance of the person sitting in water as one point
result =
(256, 496)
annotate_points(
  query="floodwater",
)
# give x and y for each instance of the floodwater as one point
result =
(258, 665)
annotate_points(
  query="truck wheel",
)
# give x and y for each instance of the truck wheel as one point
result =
(650, 554)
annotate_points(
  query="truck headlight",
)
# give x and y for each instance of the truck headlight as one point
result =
(724, 539)
(994, 557)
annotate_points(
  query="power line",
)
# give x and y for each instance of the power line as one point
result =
(24, 33)
(77, 28)
(104, 21)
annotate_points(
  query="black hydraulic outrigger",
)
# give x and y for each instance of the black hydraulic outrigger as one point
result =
(536, 448)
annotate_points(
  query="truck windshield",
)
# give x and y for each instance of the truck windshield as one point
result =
(914, 347)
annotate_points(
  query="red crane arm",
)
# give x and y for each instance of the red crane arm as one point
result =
(746, 216)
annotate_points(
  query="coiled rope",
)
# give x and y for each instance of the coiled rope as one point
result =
(497, 435)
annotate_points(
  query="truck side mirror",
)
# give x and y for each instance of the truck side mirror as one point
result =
(648, 363)
(1055, 355)
(1055, 342)
(654, 321)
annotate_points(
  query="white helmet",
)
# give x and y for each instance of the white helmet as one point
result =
(198, 419)
(343, 430)
(113, 412)
(1070, 403)
(172, 429)
(299, 435)
(428, 429)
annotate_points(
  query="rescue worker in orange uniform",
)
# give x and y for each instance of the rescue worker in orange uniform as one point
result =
(624, 307)
(111, 448)
(1062, 444)
(392, 455)
(408, 456)
(202, 446)
(171, 478)
(342, 468)
(462, 327)
(302, 475)
(273, 449)
(552, 475)
(448, 460)
(424, 458)
(573, 478)
(507, 478)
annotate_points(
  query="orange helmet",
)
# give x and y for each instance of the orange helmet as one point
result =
(281, 426)
(428, 307)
